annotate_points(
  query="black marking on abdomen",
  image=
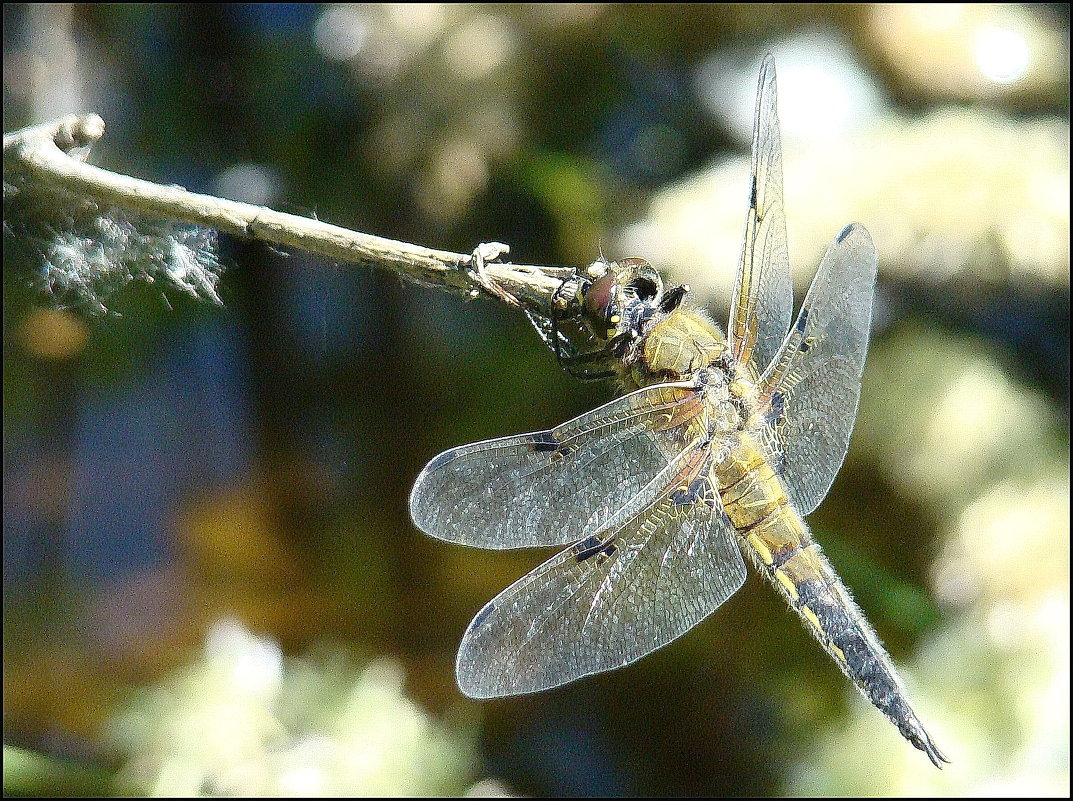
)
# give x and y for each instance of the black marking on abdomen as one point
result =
(864, 666)
(864, 661)
(836, 620)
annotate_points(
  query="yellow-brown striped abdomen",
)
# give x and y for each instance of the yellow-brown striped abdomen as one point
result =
(775, 536)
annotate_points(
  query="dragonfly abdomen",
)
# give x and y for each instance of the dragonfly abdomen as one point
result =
(813, 589)
(775, 536)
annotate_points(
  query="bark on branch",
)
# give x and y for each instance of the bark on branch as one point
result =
(54, 153)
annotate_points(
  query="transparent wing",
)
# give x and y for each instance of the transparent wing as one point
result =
(658, 568)
(548, 488)
(812, 388)
(763, 296)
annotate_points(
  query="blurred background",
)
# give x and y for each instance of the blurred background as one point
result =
(211, 583)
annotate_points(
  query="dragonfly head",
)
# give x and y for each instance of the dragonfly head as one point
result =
(601, 314)
(622, 296)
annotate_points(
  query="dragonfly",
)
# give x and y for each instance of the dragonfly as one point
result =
(716, 451)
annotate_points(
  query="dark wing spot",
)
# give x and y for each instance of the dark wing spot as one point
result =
(778, 405)
(443, 459)
(544, 442)
(483, 615)
(844, 233)
(593, 546)
(706, 492)
(752, 194)
(699, 491)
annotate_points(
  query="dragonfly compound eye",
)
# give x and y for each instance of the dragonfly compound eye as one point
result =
(599, 305)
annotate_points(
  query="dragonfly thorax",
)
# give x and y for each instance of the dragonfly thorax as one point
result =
(675, 345)
(726, 411)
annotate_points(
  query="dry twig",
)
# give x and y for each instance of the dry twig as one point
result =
(54, 153)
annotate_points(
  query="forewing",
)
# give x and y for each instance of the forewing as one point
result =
(763, 294)
(662, 565)
(548, 488)
(812, 388)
